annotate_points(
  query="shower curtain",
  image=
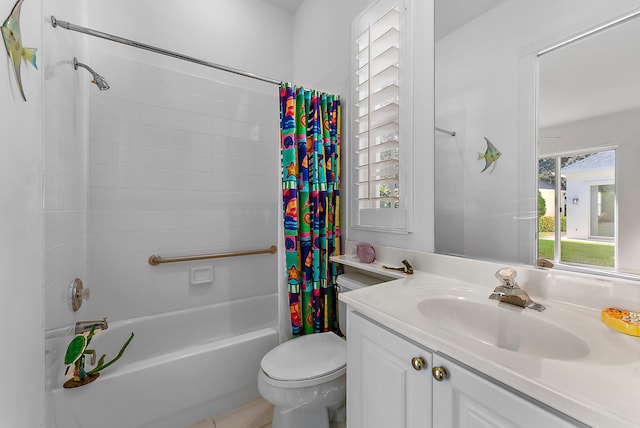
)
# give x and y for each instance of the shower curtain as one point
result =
(310, 138)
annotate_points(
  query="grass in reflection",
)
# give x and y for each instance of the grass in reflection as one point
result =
(582, 252)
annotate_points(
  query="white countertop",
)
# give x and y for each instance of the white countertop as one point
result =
(601, 389)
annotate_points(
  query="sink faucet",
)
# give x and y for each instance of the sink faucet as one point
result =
(510, 292)
(84, 326)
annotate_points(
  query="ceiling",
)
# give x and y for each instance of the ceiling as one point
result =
(288, 5)
(595, 76)
(453, 14)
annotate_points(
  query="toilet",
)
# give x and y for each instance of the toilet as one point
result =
(305, 378)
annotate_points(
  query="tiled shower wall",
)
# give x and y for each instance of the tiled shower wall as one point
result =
(179, 164)
(181, 159)
(64, 180)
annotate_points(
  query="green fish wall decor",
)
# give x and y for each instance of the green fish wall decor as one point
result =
(490, 155)
(13, 43)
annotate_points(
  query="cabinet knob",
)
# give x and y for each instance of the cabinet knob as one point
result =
(418, 363)
(439, 373)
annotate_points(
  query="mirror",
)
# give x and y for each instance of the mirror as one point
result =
(507, 82)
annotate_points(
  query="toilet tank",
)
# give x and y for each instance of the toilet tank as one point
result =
(352, 281)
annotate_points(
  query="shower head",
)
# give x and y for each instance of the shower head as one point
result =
(100, 81)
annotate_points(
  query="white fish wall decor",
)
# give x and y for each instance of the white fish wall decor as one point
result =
(490, 155)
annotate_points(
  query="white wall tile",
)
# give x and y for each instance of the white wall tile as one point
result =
(64, 181)
(175, 170)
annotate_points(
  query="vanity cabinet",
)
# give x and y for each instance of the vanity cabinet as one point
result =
(393, 382)
(388, 378)
(464, 399)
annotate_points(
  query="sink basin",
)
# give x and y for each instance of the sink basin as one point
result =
(502, 326)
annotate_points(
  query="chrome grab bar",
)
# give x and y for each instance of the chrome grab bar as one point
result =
(156, 259)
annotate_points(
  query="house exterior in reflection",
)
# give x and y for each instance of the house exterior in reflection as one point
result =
(591, 197)
(548, 192)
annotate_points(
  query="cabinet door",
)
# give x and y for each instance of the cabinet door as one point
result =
(463, 399)
(384, 390)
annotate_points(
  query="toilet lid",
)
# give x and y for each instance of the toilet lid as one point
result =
(306, 357)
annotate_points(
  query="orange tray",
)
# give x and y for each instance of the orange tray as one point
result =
(622, 320)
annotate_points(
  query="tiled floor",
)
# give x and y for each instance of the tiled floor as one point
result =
(256, 414)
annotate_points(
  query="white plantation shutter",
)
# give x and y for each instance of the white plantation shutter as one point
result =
(378, 36)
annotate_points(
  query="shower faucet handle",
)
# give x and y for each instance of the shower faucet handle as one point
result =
(78, 293)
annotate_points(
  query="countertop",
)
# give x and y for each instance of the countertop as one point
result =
(600, 388)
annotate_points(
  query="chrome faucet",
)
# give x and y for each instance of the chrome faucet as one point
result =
(84, 326)
(510, 292)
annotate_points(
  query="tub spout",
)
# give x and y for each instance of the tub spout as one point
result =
(85, 326)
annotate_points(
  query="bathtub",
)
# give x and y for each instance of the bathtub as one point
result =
(181, 367)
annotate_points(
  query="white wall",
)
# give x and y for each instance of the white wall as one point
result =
(620, 130)
(323, 61)
(250, 35)
(485, 82)
(21, 302)
(322, 45)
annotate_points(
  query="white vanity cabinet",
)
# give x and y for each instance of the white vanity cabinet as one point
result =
(464, 399)
(385, 390)
(388, 378)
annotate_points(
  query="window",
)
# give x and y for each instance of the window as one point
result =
(579, 220)
(603, 205)
(381, 198)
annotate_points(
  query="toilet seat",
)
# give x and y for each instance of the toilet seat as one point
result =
(307, 360)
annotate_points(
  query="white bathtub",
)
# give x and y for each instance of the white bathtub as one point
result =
(180, 368)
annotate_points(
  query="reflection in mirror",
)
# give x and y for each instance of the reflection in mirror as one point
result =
(487, 68)
(577, 219)
(589, 136)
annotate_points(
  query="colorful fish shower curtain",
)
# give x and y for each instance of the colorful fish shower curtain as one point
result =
(310, 138)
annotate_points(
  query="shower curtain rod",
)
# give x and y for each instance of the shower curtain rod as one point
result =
(446, 131)
(72, 27)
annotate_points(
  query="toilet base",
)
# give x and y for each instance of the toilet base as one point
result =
(310, 406)
(297, 418)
